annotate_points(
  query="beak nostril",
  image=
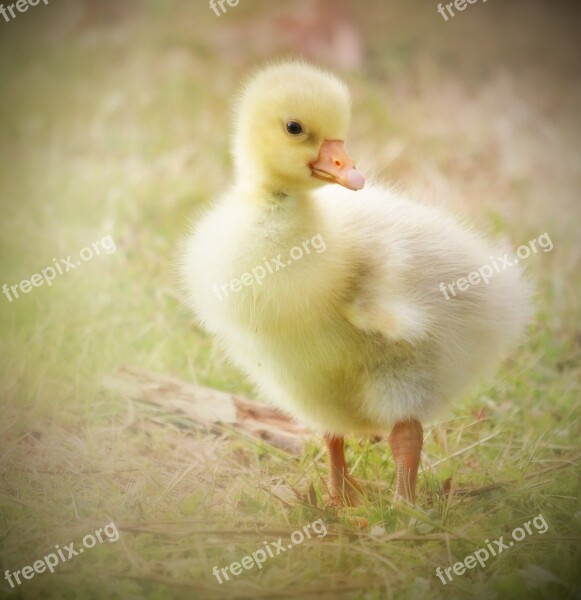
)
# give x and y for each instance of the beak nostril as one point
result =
(334, 165)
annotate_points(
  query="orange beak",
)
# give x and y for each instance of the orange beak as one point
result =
(335, 166)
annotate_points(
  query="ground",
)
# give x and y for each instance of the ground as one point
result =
(118, 125)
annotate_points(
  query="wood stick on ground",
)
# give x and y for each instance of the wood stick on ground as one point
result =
(208, 407)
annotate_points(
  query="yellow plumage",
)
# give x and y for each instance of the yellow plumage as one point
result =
(356, 336)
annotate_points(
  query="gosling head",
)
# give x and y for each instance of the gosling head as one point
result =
(290, 127)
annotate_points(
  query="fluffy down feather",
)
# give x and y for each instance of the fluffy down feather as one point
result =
(355, 335)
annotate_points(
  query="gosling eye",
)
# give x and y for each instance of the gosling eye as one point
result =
(294, 128)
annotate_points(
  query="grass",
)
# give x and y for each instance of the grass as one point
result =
(123, 130)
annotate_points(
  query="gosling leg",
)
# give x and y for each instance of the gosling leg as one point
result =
(406, 441)
(345, 490)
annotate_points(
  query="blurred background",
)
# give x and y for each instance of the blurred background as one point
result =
(115, 121)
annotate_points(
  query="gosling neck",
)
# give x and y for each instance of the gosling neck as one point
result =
(274, 193)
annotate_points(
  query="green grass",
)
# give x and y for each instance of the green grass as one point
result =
(123, 130)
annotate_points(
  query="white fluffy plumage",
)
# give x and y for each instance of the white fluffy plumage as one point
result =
(356, 334)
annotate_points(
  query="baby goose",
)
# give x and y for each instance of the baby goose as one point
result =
(330, 300)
